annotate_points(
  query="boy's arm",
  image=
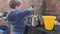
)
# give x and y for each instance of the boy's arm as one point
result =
(28, 11)
(20, 14)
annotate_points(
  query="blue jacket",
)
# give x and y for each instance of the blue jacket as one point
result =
(16, 18)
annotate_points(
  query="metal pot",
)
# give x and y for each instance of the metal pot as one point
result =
(32, 20)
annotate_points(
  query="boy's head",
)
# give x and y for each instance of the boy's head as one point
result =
(14, 4)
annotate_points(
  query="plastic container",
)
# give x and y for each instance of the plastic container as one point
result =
(49, 22)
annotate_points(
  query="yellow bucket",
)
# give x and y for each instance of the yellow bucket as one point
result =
(49, 22)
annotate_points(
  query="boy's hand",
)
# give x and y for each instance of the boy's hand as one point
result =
(31, 9)
(32, 6)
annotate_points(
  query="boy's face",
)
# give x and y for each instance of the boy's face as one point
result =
(20, 7)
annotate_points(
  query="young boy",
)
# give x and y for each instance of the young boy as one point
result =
(16, 16)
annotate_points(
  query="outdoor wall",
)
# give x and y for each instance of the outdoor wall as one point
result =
(52, 7)
(47, 7)
(4, 6)
(25, 4)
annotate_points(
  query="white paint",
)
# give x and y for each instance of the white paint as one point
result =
(57, 23)
(1, 14)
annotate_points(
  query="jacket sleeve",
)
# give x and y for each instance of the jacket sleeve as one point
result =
(28, 11)
(19, 14)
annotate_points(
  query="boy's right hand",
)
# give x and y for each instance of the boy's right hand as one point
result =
(32, 6)
(31, 9)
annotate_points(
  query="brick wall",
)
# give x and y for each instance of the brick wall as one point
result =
(3, 6)
(50, 5)
(25, 4)
(53, 8)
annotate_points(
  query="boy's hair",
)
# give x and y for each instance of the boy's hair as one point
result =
(14, 3)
